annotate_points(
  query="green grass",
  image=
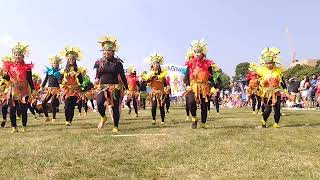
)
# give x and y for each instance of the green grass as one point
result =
(232, 147)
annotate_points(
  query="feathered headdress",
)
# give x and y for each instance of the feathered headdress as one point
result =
(215, 67)
(189, 54)
(199, 46)
(131, 69)
(35, 76)
(55, 59)
(71, 51)
(6, 58)
(21, 48)
(270, 55)
(155, 58)
(109, 43)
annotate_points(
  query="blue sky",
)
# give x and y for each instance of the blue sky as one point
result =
(236, 31)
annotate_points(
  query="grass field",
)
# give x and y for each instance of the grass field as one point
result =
(232, 147)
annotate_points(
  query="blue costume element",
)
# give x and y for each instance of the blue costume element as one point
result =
(53, 72)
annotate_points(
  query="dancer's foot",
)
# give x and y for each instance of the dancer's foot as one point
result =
(203, 126)
(24, 129)
(3, 123)
(115, 130)
(14, 129)
(194, 122)
(276, 125)
(263, 123)
(102, 122)
(47, 119)
(68, 123)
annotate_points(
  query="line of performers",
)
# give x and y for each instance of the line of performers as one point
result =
(22, 90)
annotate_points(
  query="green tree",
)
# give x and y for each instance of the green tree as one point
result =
(241, 70)
(302, 70)
(225, 80)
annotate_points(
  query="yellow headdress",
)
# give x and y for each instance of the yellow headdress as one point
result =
(109, 43)
(6, 58)
(215, 67)
(131, 69)
(21, 48)
(189, 54)
(199, 46)
(55, 59)
(71, 51)
(35, 76)
(270, 55)
(253, 67)
(155, 58)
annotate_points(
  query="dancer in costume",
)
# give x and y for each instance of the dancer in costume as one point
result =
(167, 92)
(143, 91)
(71, 82)
(272, 84)
(4, 90)
(199, 72)
(132, 93)
(86, 93)
(215, 85)
(253, 91)
(185, 94)
(156, 78)
(21, 85)
(53, 79)
(112, 81)
(33, 100)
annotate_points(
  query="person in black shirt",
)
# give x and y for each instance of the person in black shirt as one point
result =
(293, 88)
(53, 78)
(112, 81)
(143, 91)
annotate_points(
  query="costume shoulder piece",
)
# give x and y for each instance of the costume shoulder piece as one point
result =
(118, 60)
(53, 72)
(63, 71)
(162, 75)
(97, 63)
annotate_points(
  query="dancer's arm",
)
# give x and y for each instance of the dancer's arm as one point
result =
(29, 79)
(44, 81)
